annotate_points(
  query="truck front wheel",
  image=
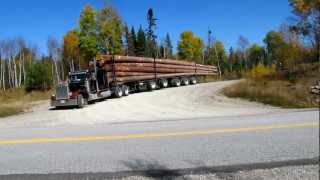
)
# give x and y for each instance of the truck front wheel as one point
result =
(81, 101)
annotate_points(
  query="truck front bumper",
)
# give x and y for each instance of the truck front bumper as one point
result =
(64, 102)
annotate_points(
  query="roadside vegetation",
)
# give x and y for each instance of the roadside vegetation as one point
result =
(288, 64)
(19, 100)
(263, 84)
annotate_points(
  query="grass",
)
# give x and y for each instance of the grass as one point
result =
(278, 92)
(18, 100)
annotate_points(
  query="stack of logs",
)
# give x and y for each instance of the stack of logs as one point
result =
(127, 68)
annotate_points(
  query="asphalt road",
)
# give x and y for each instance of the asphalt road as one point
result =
(290, 136)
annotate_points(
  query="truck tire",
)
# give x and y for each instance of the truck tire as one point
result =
(175, 82)
(81, 101)
(118, 92)
(163, 83)
(152, 85)
(185, 81)
(125, 90)
(193, 80)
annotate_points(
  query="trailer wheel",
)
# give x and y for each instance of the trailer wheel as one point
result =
(185, 81)
(125, 90)
(81, 101)
(163, 83)
(152, 85)
(175, 82)
(193, 80)
(118, 92)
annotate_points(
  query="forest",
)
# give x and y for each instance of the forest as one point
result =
(287, 51)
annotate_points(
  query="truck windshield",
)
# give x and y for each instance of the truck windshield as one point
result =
(77, 77)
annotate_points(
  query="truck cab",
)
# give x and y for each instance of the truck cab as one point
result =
(80, 88)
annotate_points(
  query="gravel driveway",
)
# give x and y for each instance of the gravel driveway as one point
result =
(188, 102)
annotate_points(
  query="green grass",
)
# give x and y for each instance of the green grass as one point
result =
(18, 100)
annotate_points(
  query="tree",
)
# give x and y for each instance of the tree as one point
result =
(167, 47)
(162, 52)
(39, 77)
(141, 43)
(126, 39)
(110, 31)
(54, 53)
(256, 55)
(218, 56)
(88, 37)
(71, 51)
(231, 59)
(190, 47)
(243, 44)
(132, 42)
(308, 12)
(274, 41)
(150, 35)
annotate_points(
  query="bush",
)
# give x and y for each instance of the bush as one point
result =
(261, 71)
(39, 77)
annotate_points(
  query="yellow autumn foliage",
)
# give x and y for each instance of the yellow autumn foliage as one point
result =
(261, 71)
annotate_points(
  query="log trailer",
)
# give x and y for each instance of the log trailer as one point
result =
(100, 82)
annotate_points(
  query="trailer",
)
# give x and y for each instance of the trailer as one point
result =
(120, 76)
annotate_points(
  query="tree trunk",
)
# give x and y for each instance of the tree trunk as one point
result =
(20, 70)
(57, 71)
(24, 69)
(15, 74)
(3, 76)
(53, 74)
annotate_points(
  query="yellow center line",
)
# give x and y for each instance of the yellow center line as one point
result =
(159, 134)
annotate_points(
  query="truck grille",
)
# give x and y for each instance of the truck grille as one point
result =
(62, 92)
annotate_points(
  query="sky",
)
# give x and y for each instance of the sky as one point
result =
(37, 20)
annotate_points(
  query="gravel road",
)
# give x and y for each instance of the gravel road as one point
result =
(189, 102)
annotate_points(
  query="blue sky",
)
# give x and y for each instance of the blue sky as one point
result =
(36, 20)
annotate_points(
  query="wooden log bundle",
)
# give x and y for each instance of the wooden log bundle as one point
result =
(127, 68)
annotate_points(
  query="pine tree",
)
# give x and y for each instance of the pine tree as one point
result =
(167, 47)
(151, 37)
(127, 39)
(231, 59)
(141, 43)
(162, 51)
(132, 42)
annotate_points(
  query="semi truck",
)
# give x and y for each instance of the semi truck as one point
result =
(88, 86)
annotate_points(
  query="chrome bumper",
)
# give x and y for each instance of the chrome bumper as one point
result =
(64, 102)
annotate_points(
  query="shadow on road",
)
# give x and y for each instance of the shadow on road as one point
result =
(152, 169)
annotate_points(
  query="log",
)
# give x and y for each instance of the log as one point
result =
(158, 66)
(151, 65)
(148, 77)
(147, 69)
(139, 68)
(102, 59)
(136, 78)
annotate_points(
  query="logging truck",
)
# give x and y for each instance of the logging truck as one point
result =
(120, 76)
